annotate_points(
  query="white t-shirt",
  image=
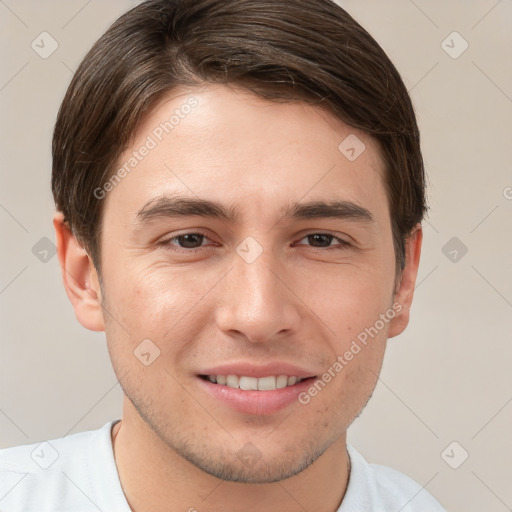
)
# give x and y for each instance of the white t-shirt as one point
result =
(78, 473)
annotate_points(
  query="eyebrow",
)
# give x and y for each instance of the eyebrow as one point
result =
(179, 206)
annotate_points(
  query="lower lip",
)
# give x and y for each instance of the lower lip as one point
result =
(256, 402)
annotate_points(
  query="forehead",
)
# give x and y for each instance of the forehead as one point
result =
(227, 145)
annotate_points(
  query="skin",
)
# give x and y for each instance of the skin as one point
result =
(176, 448)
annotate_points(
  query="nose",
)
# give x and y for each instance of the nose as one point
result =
(258, 301)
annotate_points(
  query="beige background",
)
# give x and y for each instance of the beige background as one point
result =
(446, 379)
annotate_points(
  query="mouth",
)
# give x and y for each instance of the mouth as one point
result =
(260, 394)
(246, 383)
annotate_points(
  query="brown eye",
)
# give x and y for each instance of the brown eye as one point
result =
(189, 241)
(186, 242)
(324, 241)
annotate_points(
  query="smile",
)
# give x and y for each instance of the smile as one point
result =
(243, 382)
(245, 394)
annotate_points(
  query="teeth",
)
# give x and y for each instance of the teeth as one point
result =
(252, 383)
(248, 383)
(232, 381)
(282, 381)
(267, 383)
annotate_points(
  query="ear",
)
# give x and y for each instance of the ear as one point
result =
(79, 277)
(405, 289)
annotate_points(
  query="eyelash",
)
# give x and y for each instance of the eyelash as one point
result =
(167, 243)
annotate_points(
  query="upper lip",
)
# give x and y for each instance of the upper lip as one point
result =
(258, 371)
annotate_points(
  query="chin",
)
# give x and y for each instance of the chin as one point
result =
(251, 467)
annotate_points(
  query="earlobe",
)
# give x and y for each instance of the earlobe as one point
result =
(405, 291)
(79, 277)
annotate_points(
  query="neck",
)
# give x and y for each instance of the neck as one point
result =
(154, 477)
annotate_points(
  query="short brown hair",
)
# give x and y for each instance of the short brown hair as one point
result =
(282, 50)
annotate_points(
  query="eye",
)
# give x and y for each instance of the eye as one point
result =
(322, 241)
(190, 242)
(187, 242)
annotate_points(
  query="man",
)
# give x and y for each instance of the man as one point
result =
(239, 189)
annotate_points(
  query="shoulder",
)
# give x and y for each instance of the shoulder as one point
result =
(37, 476)
(380, 489)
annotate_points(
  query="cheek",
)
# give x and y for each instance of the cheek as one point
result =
(153, 303)
(143, 298)
(341, 393)
(358, 371)
(349, 302)
(360, 311)
(361, 377)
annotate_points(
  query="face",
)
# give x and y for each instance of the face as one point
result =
(276, 279)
